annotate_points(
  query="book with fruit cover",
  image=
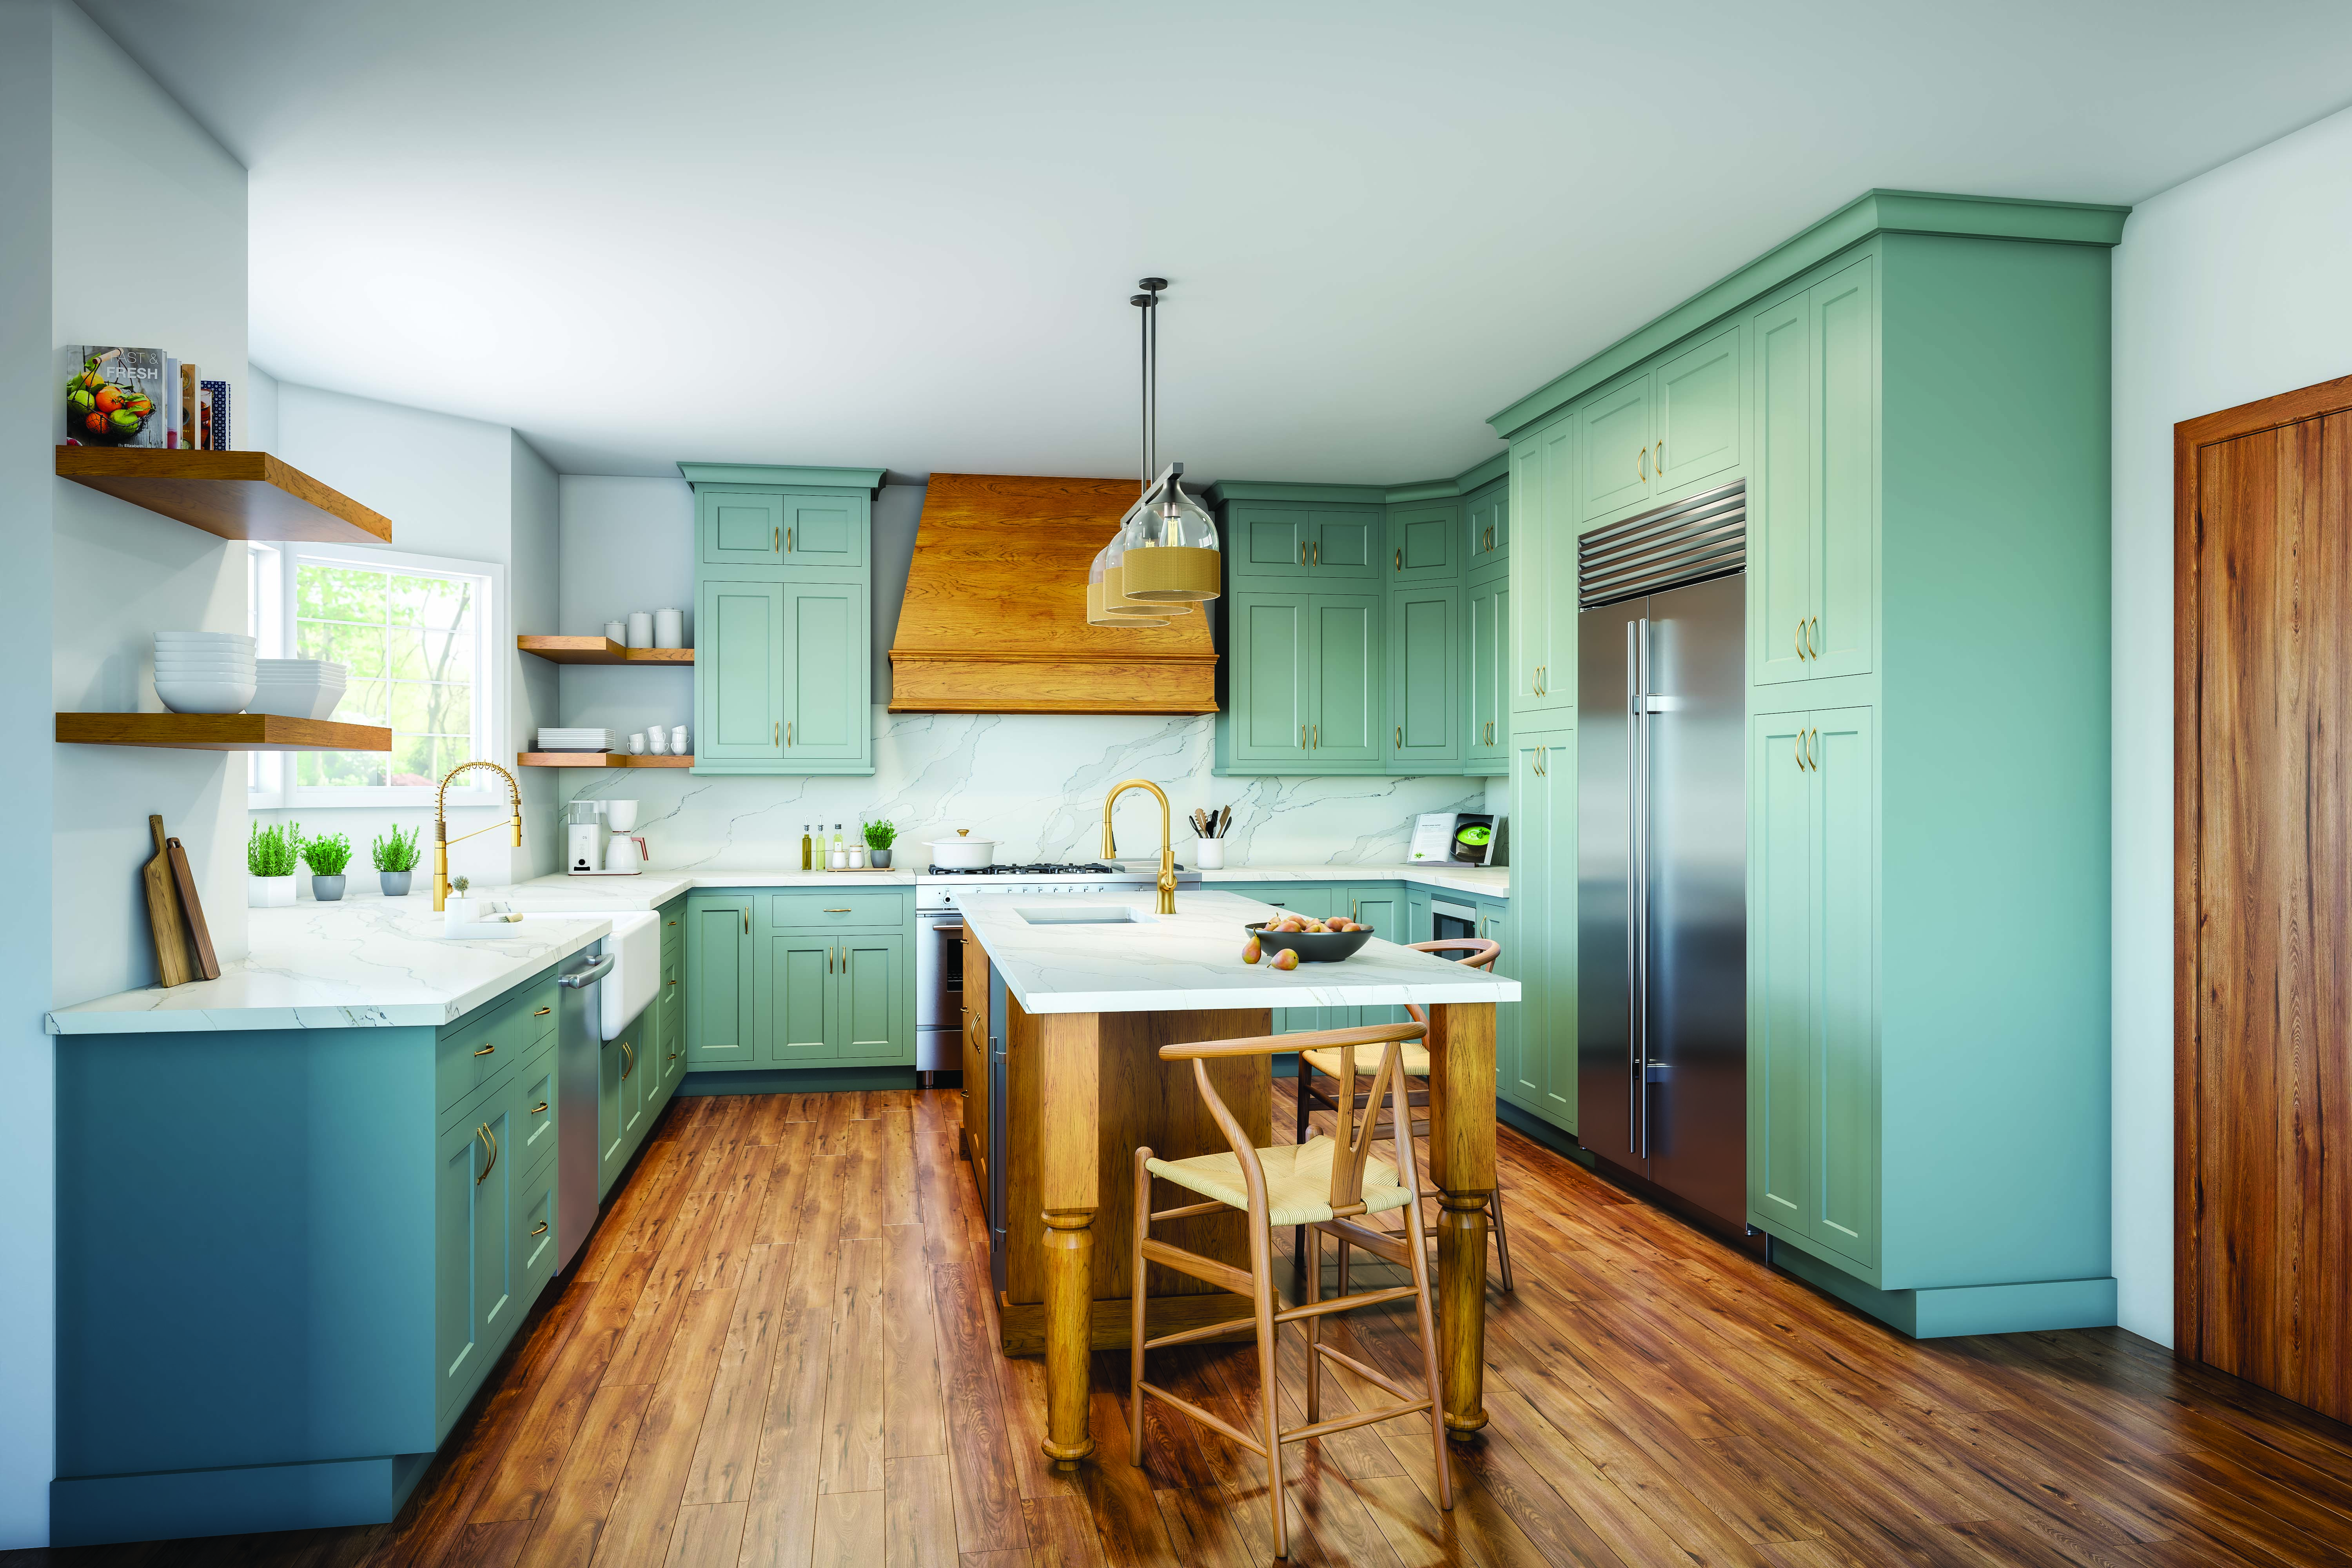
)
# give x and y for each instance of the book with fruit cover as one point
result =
(116, 398)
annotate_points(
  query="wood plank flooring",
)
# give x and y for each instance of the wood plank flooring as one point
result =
(778, 1351)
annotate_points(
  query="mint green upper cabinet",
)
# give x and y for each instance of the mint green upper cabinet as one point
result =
(1780, 971)
(1699, 413)
(796, 993)
(739, 527)
(1271, 662)
(740, 670)
(827, 671)
(1616, 426)
(1286, 540)
(1486, 518)
(826, 530)
(1424, 679)
(868, 989)
(719, 980)
(1544, 491)
(1345, 726)
(1487, 611)
(1424, 544)
(1813, 491)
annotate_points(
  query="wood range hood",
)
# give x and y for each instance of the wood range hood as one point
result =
(996, 614)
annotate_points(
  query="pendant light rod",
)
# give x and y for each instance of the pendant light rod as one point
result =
(1149, 326)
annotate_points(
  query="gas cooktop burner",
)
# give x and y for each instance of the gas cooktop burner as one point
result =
(1042, 868)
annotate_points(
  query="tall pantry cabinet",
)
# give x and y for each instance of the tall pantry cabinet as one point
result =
(1915, 393)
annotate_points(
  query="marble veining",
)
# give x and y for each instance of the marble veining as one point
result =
(364, 964)
(1191, 960)
(1033, 781)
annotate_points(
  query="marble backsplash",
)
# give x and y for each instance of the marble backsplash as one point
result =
(1035, 783)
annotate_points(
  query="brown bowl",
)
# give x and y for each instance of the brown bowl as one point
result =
(1311, 946)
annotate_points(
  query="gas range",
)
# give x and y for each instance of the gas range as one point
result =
(935, 889)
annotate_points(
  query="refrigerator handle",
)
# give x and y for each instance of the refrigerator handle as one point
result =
(1637, 886)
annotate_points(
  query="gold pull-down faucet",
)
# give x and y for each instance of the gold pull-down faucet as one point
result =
(1167, 847)
(441, 839)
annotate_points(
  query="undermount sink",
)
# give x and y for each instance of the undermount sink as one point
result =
(1084, 915)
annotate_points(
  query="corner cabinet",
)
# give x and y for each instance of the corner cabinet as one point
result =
(800, 977)
(784, 591)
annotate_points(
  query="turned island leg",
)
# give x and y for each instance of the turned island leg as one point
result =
(1069, 1047)
(1461, 1167)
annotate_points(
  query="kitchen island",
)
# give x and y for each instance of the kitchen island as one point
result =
(1083, 992)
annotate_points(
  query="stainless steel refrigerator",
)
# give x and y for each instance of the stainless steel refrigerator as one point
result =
(1662, 850)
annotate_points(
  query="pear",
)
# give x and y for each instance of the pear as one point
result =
(1251, 951)
(1287, 959)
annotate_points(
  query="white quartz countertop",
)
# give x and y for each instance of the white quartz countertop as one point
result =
(368, 962)
(1486, 882)
(1192, 960)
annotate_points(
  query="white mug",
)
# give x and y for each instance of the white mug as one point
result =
(641, 628)
(677, 741)
(659, 741)
(638, 744)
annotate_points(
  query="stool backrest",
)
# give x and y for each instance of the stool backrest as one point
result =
(1483, 951)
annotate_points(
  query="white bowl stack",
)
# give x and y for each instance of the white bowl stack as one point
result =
(574, 740)
(203, 672)
(298, 688)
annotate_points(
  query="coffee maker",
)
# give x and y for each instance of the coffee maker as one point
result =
(583, 838)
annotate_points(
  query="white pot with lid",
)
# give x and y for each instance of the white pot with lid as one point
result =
(963, 852)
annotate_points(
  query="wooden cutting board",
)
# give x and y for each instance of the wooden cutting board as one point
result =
(200, 935)
(173, 962)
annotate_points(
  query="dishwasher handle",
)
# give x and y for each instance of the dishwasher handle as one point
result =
(578, 978)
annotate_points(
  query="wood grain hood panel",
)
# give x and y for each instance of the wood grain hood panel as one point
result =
(995, 615)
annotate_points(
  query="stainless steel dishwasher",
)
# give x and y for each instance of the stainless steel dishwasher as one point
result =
(579, 1032)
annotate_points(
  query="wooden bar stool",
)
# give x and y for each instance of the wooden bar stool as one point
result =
(1480, 953)
(1319, 1186)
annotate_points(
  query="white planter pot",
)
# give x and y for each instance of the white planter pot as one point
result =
(268, 892)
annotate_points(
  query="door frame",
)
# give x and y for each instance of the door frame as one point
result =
(2189, 438)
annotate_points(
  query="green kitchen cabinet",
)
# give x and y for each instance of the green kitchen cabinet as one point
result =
(1813, 493)
(1543, 910)
(738, 526)
(720, 1031)
(1545, 479)
(1700, 417)
(1347, 723)
(1305, 693)
(1487, 652)
(1418, 922)
(1613, 426)
(1812, 1150)
(826, 530)
(1384, 907)
(612, 1137)
(740, 671)
(1495, 925)
(1320, 903)
(1424, 662)
(1486, 518)
(795, 998)
(868, 991)
(827, 674)
(474, 1305)
(1424, 544)
(1306, 544)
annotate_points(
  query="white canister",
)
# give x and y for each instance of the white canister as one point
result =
(641, 628)
(858, 856)
(1209, 854)
(669, 628)
(678, 741)
(837, 857)
(615, 632)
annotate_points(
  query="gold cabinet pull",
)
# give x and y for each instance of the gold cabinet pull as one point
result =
(788, 542)
(489, 1141)
(539, 1110)
(1658, 458)
(1399, 554)
(747, 920)
(778, 543)
(1318, 737)
(778, 733)
(1302, 737)
(1315, 552)
(1799, 638)
(836, 912)
(673, 923)
(542, 1013)
(1302, 553)
(1642, 467)
(540, 1229)
(1813, 636)
(788, 735)
(1796, 750)
(1814, 748)
(628, 1059)
(486, 1050)
(1400, 732)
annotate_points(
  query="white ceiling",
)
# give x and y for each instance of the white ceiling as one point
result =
(904, 234)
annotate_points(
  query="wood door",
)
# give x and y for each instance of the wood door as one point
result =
(2263, 843)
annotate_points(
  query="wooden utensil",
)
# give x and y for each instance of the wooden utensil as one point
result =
(170, 932)
(208, 964)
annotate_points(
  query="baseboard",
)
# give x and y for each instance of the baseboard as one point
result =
(1950, 1312)
(797, 1080)
(247, 1500)
(1536, 1129)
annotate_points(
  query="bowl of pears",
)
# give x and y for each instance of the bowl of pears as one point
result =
(1291, 938)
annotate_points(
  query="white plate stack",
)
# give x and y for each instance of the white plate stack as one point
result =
(575, 740)
(297, 688)
(203, 672)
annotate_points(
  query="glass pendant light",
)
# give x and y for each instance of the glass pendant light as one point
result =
(1165, 554)
(1100, 613)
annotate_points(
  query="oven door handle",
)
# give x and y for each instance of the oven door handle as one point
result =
(955, 931)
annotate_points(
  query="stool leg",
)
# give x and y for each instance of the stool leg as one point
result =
(1427, 1322)
(1302, 1084)
(1314, 1326)
(1269, 1409)
(1502, 1237)
(1135, 1317)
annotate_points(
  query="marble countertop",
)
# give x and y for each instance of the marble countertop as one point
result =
(1486, 882)
(365, 963)
(1191, 960)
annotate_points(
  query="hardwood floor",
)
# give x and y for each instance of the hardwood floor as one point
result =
(779, 1350)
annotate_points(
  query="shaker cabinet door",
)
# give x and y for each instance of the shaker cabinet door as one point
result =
(827, 675)
(1273, 674)
(868, 1019)
(826, 531)
(1845, 1001)
(740, 670)
(1425, 689)
(1780, 498)
(718, 972)
(797, 988)
(739, 527)
(1780, 972)
(1698, 424)
(1344, 725)
(1617, 457)
(1845, 328)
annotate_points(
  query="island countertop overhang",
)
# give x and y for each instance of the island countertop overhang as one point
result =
(1190, 960)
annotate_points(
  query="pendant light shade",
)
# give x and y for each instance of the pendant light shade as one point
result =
(1165, 555)
(1100, 602)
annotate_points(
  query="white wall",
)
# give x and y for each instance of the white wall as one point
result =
(2227, 288)
(463, 491)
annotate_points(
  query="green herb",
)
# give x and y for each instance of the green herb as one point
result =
(880, 835)
(271, 851)
(396, 852)
(327, 856)
(458, 885)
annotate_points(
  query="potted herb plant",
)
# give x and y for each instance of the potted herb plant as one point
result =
(270, 857)
(327, 858)
(879, 836)
(395, 857)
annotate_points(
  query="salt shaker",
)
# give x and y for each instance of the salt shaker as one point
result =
(669, 628)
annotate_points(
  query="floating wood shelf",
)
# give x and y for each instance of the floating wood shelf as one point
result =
(236, 495)
(598, 760)
(601, 650)
(221, 732)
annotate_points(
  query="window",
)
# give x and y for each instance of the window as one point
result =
(417, 636)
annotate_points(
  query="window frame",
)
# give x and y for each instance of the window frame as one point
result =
(270, 785)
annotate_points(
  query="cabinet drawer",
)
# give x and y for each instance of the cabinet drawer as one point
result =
(809, 912)
(535, 1108)
(534, 1235)
(471, 1054)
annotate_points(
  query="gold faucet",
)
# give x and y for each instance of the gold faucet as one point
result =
(1167, 849)
(441, 839)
